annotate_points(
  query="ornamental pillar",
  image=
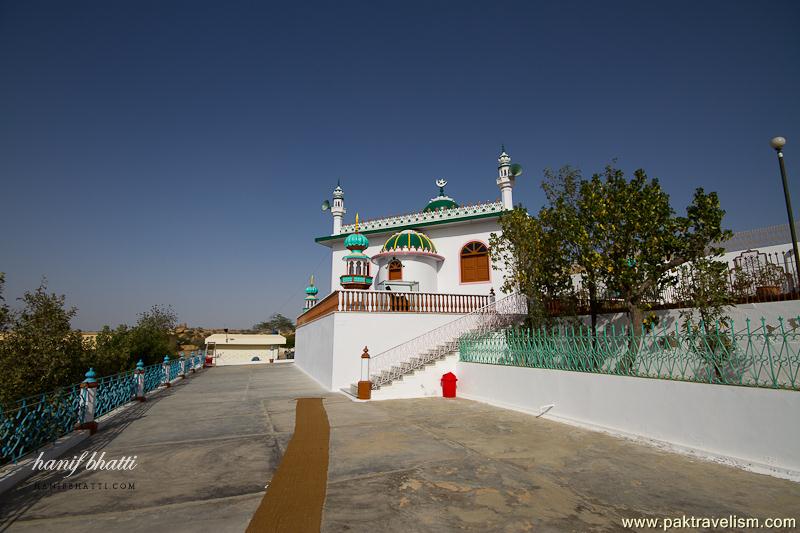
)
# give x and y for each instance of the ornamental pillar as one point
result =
(88, 401)
(139, 377)
(165, 368)
(365, 385)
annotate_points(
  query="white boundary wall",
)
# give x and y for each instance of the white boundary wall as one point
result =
(769, 311)
(329, 348)
(242, 354)
(751, 428)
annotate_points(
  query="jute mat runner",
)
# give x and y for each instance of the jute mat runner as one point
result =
(294, 499)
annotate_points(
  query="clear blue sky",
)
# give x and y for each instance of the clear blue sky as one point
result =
(157, 152)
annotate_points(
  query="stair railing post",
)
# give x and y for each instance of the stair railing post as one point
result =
(139, 373)
(365, 385)
(87, 402)
(165, 366)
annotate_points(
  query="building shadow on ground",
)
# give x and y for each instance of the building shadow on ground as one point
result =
(17, 501)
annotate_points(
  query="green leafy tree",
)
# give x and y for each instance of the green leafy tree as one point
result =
(113, 352)
(642, 240)
(571, 213)
(41, 351)
(534, 262)
(152, 337)
(5, 312)
(277, 322)
(703, 287)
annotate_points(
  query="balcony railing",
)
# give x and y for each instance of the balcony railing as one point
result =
(344, 301)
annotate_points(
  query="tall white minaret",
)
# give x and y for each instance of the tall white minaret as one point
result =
(505, 180)
(337, 209)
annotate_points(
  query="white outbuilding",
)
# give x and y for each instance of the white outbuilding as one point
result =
(243, 348)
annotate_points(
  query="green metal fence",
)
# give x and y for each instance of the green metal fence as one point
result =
(763, 356)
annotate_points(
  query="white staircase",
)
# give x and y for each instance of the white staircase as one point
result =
(421, 354)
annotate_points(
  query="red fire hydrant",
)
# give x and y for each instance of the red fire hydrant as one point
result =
(449, 385)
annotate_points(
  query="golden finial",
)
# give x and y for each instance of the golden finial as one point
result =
(311, 280)
(356, 222)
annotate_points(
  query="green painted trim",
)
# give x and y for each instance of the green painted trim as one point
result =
(355, 279)
(421, 225)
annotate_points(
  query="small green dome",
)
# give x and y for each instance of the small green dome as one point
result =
(442, 202)
(311, 290)
(356, 241)
(409, 239)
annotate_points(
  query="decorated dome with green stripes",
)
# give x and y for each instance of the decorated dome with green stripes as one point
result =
(409, 240)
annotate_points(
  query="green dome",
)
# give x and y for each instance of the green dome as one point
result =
(356, 241)
(442, 202)
(409, 239)
(311, 290)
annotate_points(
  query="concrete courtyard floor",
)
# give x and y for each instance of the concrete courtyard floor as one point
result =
(207, 447)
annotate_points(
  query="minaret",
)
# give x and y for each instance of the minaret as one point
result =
(357, 269)
(311, 295)
(505, 179)
(337, 209)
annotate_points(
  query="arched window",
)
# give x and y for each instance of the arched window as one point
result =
(395, 270)
(474, 262)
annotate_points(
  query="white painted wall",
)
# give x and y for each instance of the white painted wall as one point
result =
(770, 311)
(784, 249)
(242, 354)
(419, 268)
(329, 349)
(752, 428)
(313, 349)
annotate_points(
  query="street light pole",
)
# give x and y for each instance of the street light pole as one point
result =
(778, 143)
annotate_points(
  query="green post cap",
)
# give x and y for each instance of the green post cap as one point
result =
(90, 376)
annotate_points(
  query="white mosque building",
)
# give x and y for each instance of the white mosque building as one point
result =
(396, 278)
(408, 287)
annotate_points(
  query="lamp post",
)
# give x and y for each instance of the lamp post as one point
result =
(778, 143)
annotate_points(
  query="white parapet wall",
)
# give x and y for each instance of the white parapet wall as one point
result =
(329, 348)
(752, 428)
(789, 310)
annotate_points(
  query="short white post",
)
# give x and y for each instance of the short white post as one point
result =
(183, 366)
(193, 366)
(139, 373)
(87, 402)
(165, 366)
(365, 385)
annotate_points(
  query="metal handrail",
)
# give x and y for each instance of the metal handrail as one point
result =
(404, 357)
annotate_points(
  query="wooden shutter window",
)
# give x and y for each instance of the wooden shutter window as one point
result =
(474, 263)
(395, 270)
